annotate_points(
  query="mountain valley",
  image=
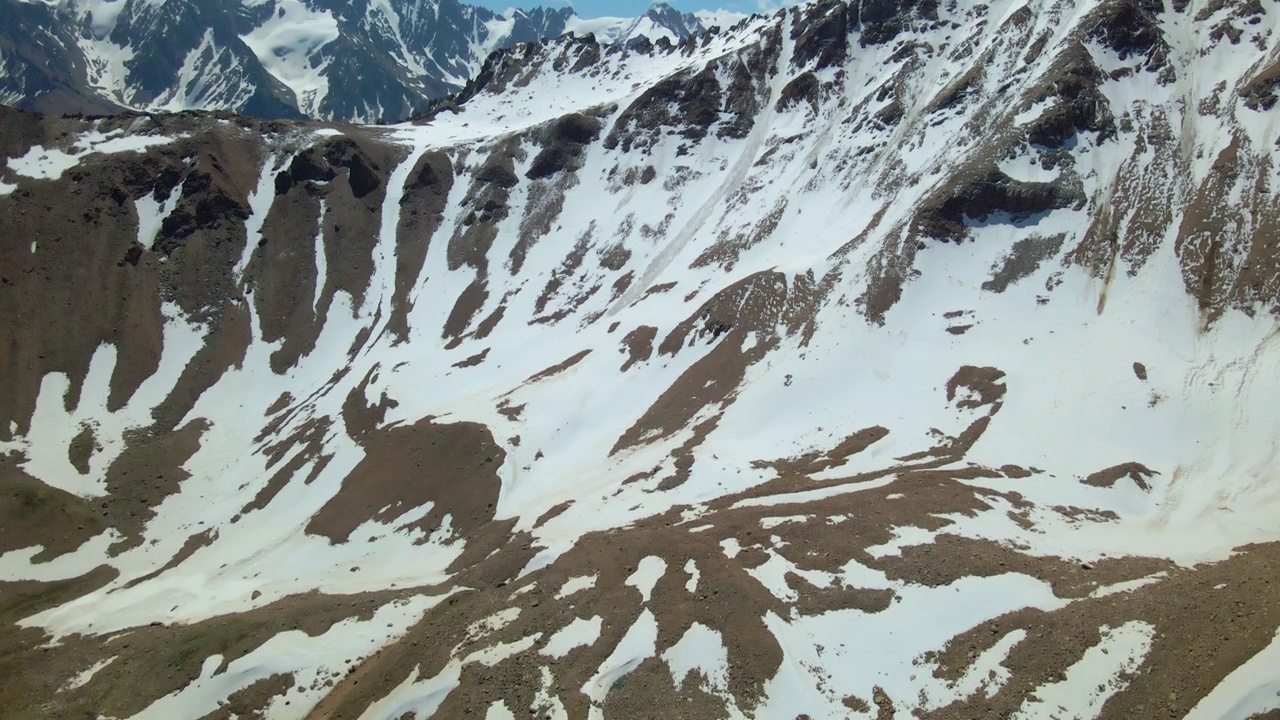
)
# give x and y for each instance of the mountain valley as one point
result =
(856, 360)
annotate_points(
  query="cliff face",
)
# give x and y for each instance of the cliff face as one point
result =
(859, 359)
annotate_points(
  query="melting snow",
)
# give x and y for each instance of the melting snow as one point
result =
(576, 584)
(648, 572)
(579, 633)
(702, 650)
(43, 163)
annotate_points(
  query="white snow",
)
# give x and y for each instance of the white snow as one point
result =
(579, 633)
(576, 584)
(986, 674)
(311, 660)
(152, 214)
(493, 623)
(423, 696)
(731, 547)
(43, 163)
(1128, 585)
(1203, 419)
(773, 522)
(287, 45)
(498, 711)
(210, 77)
(605, 28)
(701, 650)
(322, 260)
(107, 63)
(82, 678)
(848, 652)
(53, 427)
(648, 572)
(691, 567)
(259, 205)
(806, 496)
(721, 18)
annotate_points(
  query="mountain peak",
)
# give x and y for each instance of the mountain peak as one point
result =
(366, 60)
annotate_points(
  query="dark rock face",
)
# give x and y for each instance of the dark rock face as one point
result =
(498, 172)
(166, 37)
(361, 170)
(421, 215)
(821, 32)
(1081, 106)
(688, 102)
(753, 271)
(18, 131)
(41, 64)
(1129, 27)
(803, 89)
(308, 165)
(692, 103)
(988, 196)
(1262, 93)
(204, 236)
(563, 142)
(683, 25)
(883, 20)
(498, 69)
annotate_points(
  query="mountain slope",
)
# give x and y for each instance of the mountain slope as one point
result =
(364, 61)
(855, 360)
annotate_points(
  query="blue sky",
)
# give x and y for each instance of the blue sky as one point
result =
(629, 8)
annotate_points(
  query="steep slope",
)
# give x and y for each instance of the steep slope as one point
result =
(857, 360)
(374, 60)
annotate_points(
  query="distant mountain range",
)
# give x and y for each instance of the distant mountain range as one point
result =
(361, 60)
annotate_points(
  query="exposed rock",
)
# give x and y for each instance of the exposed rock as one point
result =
(1137, 472)
(993, 195)
(689, 103)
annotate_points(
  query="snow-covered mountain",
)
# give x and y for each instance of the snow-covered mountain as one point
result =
(863, 360)
(660, 21)
(368, 60)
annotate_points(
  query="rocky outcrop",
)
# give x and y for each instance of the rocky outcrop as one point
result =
(563, 143)
(993, 196)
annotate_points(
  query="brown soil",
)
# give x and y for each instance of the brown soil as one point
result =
(1137, 472)
(453, 466)
(1237, 598)
(557, 368)
(815, 461)
(639, 345)
(149, 469)
(470, 301)
(32, 513)
(152, 661)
